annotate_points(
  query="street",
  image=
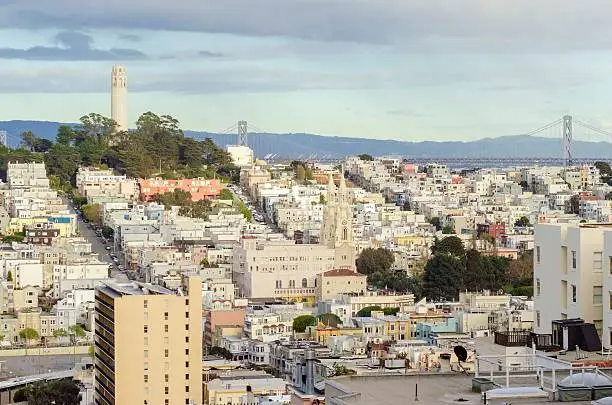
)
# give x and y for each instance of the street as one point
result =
(98, 246)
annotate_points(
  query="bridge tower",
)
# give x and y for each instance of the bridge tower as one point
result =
(568, 130)
(4, 138)
(243, 133)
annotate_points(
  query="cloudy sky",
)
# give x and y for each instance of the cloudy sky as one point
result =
(401, 69)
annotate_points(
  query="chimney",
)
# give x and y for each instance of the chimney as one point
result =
(309, 359)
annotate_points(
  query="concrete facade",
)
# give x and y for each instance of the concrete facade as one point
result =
(119, 97)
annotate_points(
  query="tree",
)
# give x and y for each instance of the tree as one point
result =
(604, 168)
(65, 135)
(28, 139)
(27, 335)
(76, 331)
(177, 197)
(302, 322)
(522, 222)
(226, 194)
(435, 221)
(450, 244)
(244, 210)
(330, 319)
(91, 350)
(524, 185)
(59, 333)
(374, 260)
(16, 237)
(367, 311)
(443, 278)
(93, 213)
(322, 199)
(365, 157)
(60, 392)
(107, 232)
(221, 351)
(448, 230)
(406, 206)
(9, 276)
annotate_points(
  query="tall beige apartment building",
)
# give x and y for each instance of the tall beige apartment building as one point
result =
(148, 344)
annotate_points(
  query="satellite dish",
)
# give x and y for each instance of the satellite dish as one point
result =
(461, 353)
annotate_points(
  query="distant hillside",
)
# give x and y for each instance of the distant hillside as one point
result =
(307, 145)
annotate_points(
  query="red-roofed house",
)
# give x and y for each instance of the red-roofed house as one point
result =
(332, 283)
(199, 188)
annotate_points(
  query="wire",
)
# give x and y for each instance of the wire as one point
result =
(545, 127)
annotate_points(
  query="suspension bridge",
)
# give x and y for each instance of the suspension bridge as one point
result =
(572, 133)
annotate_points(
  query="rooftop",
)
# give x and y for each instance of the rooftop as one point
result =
(134, 288)
(342, 273)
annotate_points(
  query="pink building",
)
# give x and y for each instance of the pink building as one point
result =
(199, 188)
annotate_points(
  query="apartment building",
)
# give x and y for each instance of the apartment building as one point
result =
(199, 188)
(148, 344)
(334, 283)
(568, 274)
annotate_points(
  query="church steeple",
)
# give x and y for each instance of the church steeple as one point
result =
(337, 229)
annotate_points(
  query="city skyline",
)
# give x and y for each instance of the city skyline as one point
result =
(387, 71)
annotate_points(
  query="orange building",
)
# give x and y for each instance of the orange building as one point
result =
(199, 188)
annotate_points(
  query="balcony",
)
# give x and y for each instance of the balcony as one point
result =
(525, 338)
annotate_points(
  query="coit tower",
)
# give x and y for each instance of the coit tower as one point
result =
(119, 97)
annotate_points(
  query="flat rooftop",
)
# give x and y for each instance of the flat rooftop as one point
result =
(439, 388)
(115, 289)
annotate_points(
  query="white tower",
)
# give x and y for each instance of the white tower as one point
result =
(119, 97)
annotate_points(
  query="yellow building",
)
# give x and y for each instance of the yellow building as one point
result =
(148, 344)
(322, 332)
(66, 224)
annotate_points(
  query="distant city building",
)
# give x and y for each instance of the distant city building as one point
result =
(241, 155)
(199, 188)
(119, 97)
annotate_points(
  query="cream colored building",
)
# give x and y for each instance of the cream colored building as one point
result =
(148, 344)
(119, 97)
(333, 283)
(279, 269)
(230, 387)
(25, 298)
(568, 274)
(405, 302)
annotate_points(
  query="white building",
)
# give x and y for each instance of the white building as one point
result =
(568, 278)
(241, 155)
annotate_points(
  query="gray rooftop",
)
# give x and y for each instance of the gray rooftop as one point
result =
(115, 289)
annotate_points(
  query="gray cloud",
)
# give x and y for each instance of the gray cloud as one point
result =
(418, 26)
(71, 46)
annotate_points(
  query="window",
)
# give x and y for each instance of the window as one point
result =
(291, 283)
(279, 284)
(186, 339)
(186, 401)
(165, 316)
(187, 388)
(166, 352)
(186, 314)
(146, 378)
(304, 283)
(597, 261)
(186, 376)
(166, 401)
(146, 329)
(538, 318)
(597, 295)
(187, 327)
(538, 254)
(187, 352)
(573, 260)
(146, 303)
(538, 286)
(573, 293)
(165, 328)
(186, 364)
(166, 377)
